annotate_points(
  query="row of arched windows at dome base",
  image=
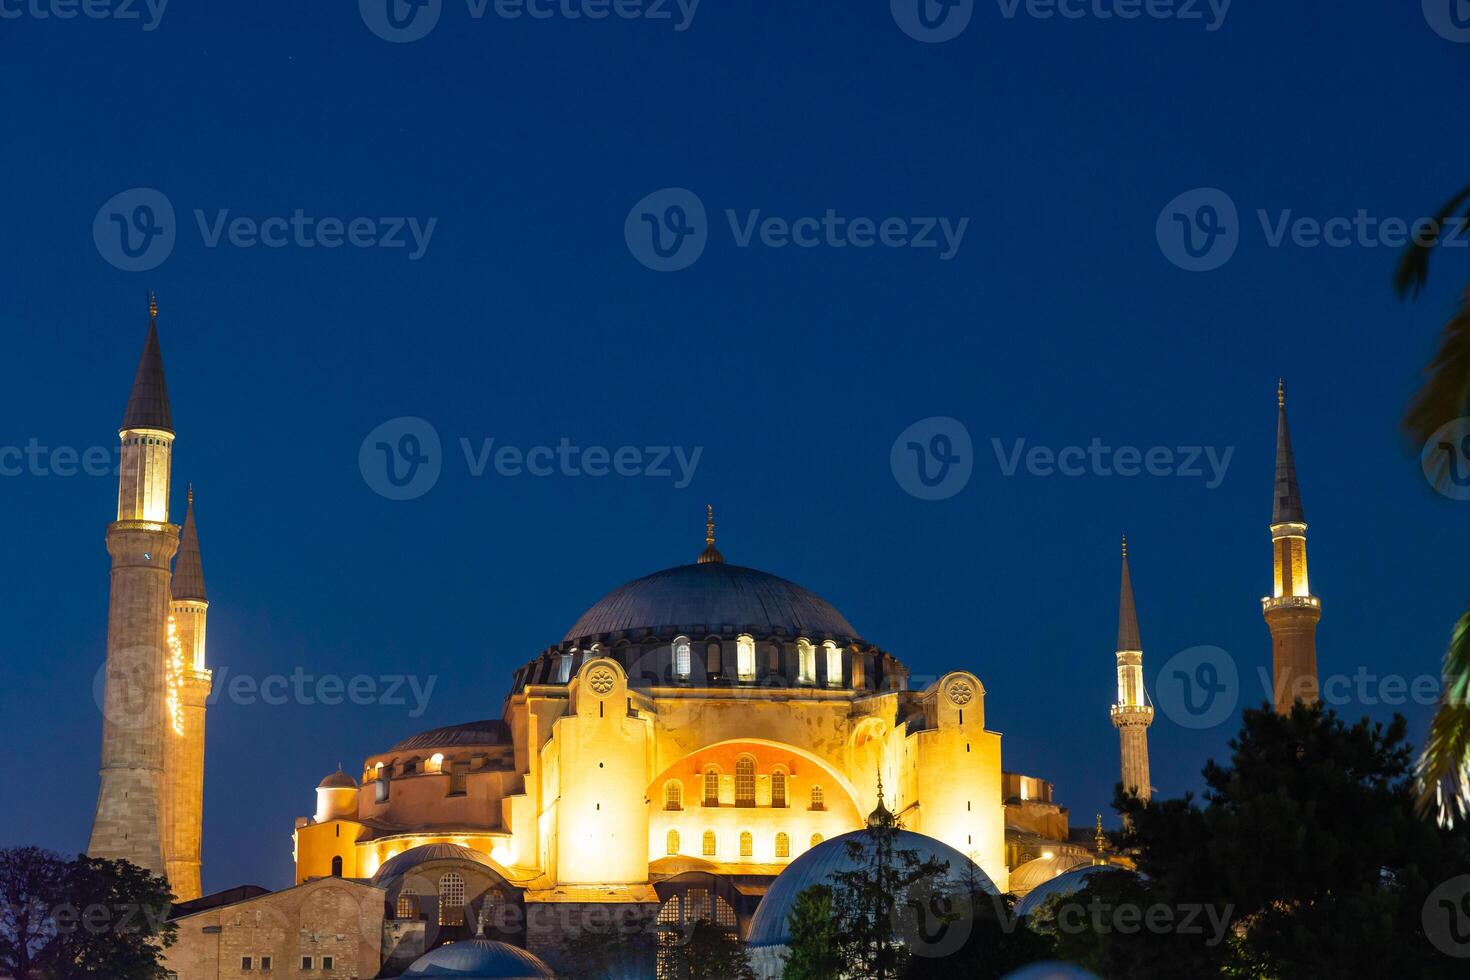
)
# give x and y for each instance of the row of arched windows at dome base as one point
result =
(709, 844)
(745, 660)
(744, 788)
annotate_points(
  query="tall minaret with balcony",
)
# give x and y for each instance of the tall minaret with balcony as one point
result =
(189, 682)
(129, 821)
(1291, 610)
(1132, 714)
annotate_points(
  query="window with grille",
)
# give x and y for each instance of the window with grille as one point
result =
(747, 844)
(265, 963)
(490, 910)
(408, 905)
(745, 658)
(327, 962)
(246, 963)
(745, 781)
(709, 843)
(834, 664)
(459, 773)
(817, 803)
(783, 846)
(806, 662)
(711, 787)
(681, 656)
(451, 900)
(778, 789)
(673, 795)
(671, 842)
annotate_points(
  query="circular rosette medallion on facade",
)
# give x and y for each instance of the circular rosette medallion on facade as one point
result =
(601, 680)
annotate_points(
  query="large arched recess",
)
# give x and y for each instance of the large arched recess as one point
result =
(831, 775)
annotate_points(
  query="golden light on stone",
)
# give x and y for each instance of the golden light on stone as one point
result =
(175, 678)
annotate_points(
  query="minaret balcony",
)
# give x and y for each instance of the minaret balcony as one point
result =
(1132, 714)
(1269, 603)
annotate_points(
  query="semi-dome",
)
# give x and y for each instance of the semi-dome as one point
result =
(1037, 872)
(480, 959)
(400, 864)
(709, 595)
(769, 927)
(487, 732)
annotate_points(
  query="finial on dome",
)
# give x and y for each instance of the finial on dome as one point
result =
(152, 305)
(710, 554)
(1101, 839)
(1125, 546)
(881, 815)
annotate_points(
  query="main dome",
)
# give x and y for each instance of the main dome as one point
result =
(711, 595)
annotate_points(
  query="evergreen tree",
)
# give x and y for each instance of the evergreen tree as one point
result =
(812, 952)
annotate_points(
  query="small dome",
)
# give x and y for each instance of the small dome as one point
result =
(337, 780)
(413, 857)
(480, 959)
(710, 595)
(487, 732)
(1066, 883)
(1050, 970)
(769, 927)
(1043, 869)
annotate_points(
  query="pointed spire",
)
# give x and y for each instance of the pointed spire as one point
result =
(188, 577)
(1127, 615)
(1286, 505)
(148, 402)
(710, 554)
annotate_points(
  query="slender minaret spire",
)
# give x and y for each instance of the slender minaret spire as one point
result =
(710, 554)
(1132, 714)
(189, 686)
(129, 820)
(1291, 610)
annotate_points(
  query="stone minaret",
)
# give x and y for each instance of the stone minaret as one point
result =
(183, 749)
(1132, 714)
(1291, 610)
(129, 822)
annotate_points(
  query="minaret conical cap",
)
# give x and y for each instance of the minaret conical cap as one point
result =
(1127, 614)
(1286, 504)
(148, 401)
(188, 577)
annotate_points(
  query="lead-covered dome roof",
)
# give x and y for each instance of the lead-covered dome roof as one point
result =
(487, 732)
(480, 959)
(711, 595)
(770, 927)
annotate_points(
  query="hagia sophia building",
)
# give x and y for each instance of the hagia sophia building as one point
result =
(698, 741)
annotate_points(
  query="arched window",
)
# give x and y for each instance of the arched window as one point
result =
(745, 657)
(671, 842)
(491, 909)
(806, 662)
(778, 789)
(451, 900)
(783, 845)
(564, 669)
(834, 664)
(673, 795)
(745, 781)
(747, 844)
(773, 659)
(712, 656)
(816, 839)
(817, 798)
(709, 843)
(681, 656)
(408, 904)
(711, 786)
(337, 866)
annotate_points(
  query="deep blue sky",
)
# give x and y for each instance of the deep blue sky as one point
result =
(528, 320)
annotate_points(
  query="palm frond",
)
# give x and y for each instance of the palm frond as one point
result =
(1446, 389)
(1413, 270)
(1444, 766)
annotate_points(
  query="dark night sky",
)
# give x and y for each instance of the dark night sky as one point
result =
(528, 320)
